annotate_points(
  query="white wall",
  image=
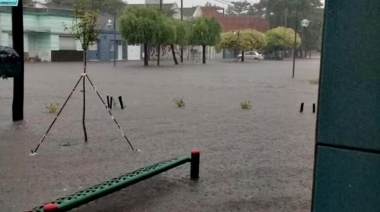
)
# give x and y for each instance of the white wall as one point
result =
(152, 1)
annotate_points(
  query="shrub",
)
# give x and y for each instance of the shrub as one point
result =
(246, 105)
(314, 82)
(52, 107)
(179, 102)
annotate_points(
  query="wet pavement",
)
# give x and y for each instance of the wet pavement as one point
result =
(251, 160)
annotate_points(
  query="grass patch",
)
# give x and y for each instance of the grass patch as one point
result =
(246, 105)
(179, 102)
(52, 107)
(314, 82)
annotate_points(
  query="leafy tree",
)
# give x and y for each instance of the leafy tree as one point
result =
(284, 13)
(167, 34)
(28, 3)
(182, 32)
(245, 40)
(205, 31)
(143, 25)
(84, 29)
(281, 38)
(208, 4)
(238, 8)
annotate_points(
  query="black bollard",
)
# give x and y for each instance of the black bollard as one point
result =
(194, 169)
(121, 102)
(111, 102)
(301, 108)
(314, 108)
(108, 101)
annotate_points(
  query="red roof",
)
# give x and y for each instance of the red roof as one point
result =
(230, 22)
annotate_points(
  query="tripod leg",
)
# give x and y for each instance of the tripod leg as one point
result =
(84, 110)
(109, 111)
(55, 119)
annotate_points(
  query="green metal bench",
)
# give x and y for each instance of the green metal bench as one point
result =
(117, 183)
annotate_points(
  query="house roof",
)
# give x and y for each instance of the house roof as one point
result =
(157, 6)
(243, 22)
(212, 11)
(189, 12)
(230, 22)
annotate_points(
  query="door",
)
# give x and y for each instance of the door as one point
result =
(134, 52)
(120, 52)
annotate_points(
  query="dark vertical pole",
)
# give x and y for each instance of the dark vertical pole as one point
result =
(295, 43)
(314, 108)
(181, 20)
(108, 101)
(111, 102)
(121, 102)
(194, 169)
(285, 26)
(84, 95)
(242, 51)
(302, 43)
(158, 44)
(18, 45)
(114, 35)
(301, 107)
(146, 54)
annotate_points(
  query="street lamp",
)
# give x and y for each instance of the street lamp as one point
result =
(304, 23)
(109, 24)
(242, 52)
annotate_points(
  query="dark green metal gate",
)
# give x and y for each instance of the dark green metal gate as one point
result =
(347, 166)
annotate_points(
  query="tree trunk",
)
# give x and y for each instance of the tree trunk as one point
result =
(204, 54)
(158, 54)
(242, 56)
(146, 53)
(174, 57)
(181, 54)
(84, 97)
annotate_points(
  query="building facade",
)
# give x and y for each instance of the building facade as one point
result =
(44, 33)
(46, 40)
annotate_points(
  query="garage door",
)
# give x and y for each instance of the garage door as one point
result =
(67, 43)
(134, 52)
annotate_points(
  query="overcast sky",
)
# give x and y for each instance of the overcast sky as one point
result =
(190, 3)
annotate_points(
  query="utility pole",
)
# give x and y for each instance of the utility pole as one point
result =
(158, 44)
(114, 35)
(295, 43)
(18, 46)
(181, 20)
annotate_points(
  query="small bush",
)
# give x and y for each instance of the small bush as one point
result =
(179, 102)
(246, 105)
(52, 107)
(314, 82)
